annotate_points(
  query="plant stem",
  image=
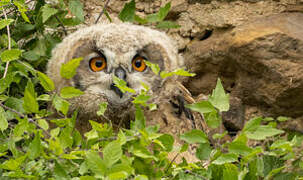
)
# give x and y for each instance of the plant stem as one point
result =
(23, 116)
(102, 12)
(9, 44)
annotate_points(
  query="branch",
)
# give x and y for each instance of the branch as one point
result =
(102, 12)
(61, 24)
(12, 10)
(23, 116)
(9, 44)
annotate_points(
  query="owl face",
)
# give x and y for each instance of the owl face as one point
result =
(110, 50)
(100, 64)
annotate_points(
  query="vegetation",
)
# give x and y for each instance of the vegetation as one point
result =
(29, 149)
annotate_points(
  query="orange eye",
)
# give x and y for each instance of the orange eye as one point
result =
(139, 64)
(97, 64)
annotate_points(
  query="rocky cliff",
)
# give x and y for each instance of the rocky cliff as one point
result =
(254, 46)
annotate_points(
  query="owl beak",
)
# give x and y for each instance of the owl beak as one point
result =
(116, 90)
(121, 74)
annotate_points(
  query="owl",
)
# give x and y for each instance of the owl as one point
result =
(122, 50)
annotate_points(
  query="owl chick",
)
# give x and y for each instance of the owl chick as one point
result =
(122, 50)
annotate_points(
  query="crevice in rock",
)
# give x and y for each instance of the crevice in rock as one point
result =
(181, 51)
(207, 34)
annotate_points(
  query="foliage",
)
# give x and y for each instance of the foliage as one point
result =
(128, 15)
(30, 149)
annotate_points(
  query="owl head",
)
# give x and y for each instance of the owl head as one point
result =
(110, 50)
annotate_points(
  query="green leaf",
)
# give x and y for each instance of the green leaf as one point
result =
(21, 127)
(211, 116)
(143, 153)
(35, 147)
(70, 92)
(263, 132)
(30, 103)
(10, 55)
(141, 99)
(218, 98)
(283, 118)
(274, 172)
(76, 8)
(203, 151)
(194, 136)
(46, 82)
(3, 97)
(5, 82)
(66, 140)
(179, 72)
(55, 132)
(167, 25)
(83, 168)
(140, 20)
(139, 118)
(128, 12)
(68, 70)
(47, 12)
(30, 56)
(239, 147)
(252, 124)
(271, 163)
(219, 135)
(107, 15)
(151, 18)
(102, 108)
(213, 120)
(22, 9)
(163, 11)
(44, 97)
(201, 107)
(141, 177)
(60, 104)
(12, 164)
(154, 67)
(112, 153)
(5, 22)
(15, 103)
(168, 141)
(43, 124)
(3, 121)
(118, 175)
(5, 2)
(260, 166)
(122, 85)
(230, 172)
(59, 171)
(95, 163)
(225, 158)
(160, 15)
(121, 138)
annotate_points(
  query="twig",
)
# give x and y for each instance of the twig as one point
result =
(112, 138)
(9, 44)
(194, 174)
(12, 10)
(61, 24)
(102, 12)
(171, 162)
(23, 116)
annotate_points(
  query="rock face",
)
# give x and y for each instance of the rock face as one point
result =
(260, 62)
(254, 46)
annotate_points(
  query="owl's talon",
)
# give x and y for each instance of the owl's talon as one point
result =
(180, 106)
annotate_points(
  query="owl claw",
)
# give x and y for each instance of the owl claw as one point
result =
(181, 108)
